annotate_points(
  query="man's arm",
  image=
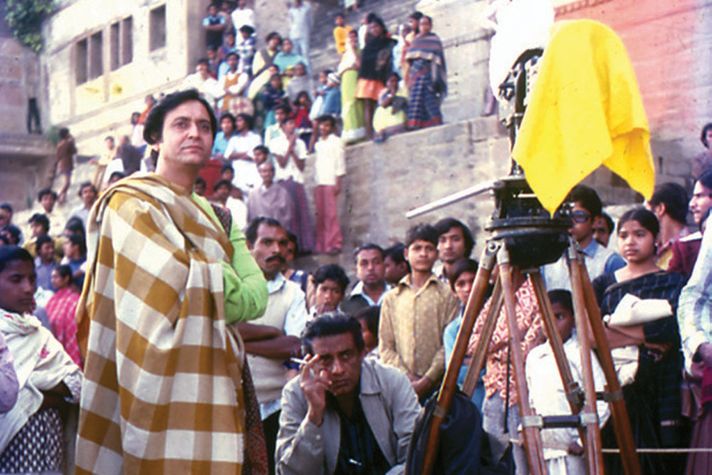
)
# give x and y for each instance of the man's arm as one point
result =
(300, 442)
(386, 338)
(251, 332)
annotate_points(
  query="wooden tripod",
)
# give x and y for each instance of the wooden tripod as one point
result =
(583, 403)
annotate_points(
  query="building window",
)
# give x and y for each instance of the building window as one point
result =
(82, 51)
(96, 57)
(157, 28)
(121, 43)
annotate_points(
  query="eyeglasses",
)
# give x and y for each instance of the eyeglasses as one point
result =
(580, 216)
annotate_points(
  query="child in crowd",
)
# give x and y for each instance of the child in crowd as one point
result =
(390, 116)
(329, 168)
(61, 308)
(329, 287)
(563, 449)
(272, 96)
(368, 319)
(341, 32)
(31, 433)
(300, 82)
(302, 106)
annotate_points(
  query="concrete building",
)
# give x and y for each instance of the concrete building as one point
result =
(24, 157)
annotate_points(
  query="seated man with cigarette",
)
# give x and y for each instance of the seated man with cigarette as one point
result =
(344, 413)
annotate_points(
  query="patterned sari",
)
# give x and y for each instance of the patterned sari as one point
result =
(653, 398)
(427, 81)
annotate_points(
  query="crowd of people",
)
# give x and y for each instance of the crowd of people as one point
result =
(142, 305)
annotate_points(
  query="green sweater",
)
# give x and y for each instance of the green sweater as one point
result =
(245, 285)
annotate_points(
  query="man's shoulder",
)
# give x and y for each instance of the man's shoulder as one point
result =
(378, 377)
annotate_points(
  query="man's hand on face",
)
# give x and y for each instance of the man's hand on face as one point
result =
(314, 383)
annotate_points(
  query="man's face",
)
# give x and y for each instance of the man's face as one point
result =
(328, 296)
(202, 70)
(700, 202)
(266, 171)
(339, 21)
(341, 360)
(226, 126)
(241, 124)
(212, 10)
(324, 128)
(708, 136)
(583, 223)
(17, 287)
(269, 249)
(37, 229)
(110, 144)
(369, 267)
(564, 320)
(211, 53)
(601, 233)
(394, 271)
(288, 127)
(451, 245)
(46, 252)
(280, 115)
(299, 70)
(421, 255)
(260, 157)
(287, 46)
(187, 137)
(47, 202)
(232, 61)
(88, 196)
(221, 193)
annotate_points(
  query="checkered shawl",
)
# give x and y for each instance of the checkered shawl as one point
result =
(163, 375)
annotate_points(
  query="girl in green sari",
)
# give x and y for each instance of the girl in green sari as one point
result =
(351, 109)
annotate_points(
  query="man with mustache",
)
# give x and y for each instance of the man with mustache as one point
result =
(271, 339)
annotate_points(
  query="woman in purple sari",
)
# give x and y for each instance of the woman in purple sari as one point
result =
(427, 78)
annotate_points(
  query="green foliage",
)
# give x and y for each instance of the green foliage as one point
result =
(24, 17)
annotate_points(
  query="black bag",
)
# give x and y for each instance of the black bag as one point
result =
(463, 447)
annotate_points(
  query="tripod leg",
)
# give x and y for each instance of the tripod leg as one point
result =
(573, 391)
(589, 415)
(475, 302)
(614, 393)
(532, 437)
(480, 354)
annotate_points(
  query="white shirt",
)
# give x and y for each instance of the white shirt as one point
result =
(300, 21)
(238, 209)
(242, 17)
(279, 147)
(209, 87)
(246, 175)
(329, 162)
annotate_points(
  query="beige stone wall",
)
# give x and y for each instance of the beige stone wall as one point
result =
(103, 105)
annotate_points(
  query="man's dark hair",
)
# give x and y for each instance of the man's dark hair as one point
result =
(153, 128)
(78, 240)
(588, 198)
(227, 115)
(271, 35)
(332, 272)
(563, 298)
(284, 108)
(422, 232)
(227, 167)
(220, 183)
(7, 207)
(117, 175)
(261, 148)
(294, 240)
(461, 266)
(396, 253)
(330, 324)
(446, 224)
(339, 15)
(609, 222)
(41, 219)
(75, 225)
(11, 253)
(251, 231)
(703, 135)
(41, 240)
(232, 53)
(329, 119)
(249, 120)
(416, 15)
(706, 179)
(369, 246)
(13, 232)
(63, 133)
(675, 199)
(204, 61)
(87, 184)
(199, 180)
(371, 315)
(44, 192)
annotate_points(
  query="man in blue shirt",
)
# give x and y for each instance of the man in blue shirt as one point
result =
(227, 130)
